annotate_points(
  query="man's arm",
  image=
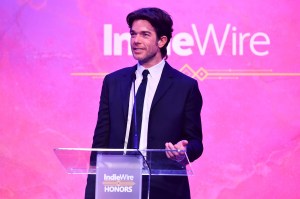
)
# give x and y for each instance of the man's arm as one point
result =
(192, 142)
(101, 137)
(101, 134)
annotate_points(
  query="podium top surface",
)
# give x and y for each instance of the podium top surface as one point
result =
(83, 160)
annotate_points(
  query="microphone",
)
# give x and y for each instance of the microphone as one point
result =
(133, 77)
(135, 133)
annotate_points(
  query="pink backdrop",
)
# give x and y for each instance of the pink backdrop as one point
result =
(244, 54)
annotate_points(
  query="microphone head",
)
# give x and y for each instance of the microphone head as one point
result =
(133, 76)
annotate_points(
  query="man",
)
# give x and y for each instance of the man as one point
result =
(170, 111)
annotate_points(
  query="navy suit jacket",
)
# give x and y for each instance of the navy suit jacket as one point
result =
(174, 116)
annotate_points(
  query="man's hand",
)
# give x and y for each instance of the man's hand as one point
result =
(176, 155)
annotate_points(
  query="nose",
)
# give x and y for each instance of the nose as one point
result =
(136, 39)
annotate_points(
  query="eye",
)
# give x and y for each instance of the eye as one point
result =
(132, 33)
(146, 34)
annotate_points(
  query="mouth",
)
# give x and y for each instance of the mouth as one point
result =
(137, 50)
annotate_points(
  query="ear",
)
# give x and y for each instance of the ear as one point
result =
(162, 41)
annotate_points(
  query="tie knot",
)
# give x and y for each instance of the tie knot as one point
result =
(145, 73)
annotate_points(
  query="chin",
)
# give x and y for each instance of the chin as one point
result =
(138, 58)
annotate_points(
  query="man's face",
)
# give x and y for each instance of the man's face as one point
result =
(144, 43)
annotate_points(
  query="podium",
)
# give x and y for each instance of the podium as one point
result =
(119, 171)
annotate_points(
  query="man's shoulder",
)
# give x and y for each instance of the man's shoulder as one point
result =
(179, 75)
(122, 72)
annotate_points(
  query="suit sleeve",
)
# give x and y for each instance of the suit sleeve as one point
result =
(101, 137)
(101, 134)
(193, 127)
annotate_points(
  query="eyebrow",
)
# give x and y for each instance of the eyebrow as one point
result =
(144, 31)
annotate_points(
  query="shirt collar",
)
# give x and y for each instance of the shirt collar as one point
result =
(155, 71)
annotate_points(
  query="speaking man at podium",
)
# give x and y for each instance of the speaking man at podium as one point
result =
(152, 102)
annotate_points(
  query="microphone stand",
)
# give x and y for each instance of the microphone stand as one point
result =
(135, 133)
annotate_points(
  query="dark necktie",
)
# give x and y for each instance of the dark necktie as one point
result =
(136, 122)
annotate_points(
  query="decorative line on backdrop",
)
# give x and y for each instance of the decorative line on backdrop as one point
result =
(221, 74)
(202, 73)
(90, 74)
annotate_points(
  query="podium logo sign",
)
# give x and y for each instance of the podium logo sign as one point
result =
(118, 183)
(118, 176)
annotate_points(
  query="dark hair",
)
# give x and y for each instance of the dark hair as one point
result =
(159, 19)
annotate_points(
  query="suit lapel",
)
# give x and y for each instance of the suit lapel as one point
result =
(164, 84)
(125, 87)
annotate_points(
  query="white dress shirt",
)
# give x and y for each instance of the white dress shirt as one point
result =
(153, 80)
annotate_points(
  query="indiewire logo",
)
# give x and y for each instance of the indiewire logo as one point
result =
(118, 183)
(185, 43)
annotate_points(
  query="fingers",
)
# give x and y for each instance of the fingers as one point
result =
(184, 143)
(171, 154)
(175, 154)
